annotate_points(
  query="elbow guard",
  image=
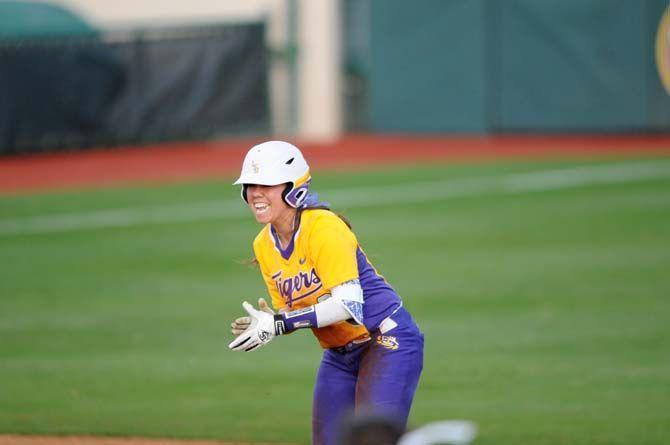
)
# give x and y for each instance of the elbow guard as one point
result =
(350, 295)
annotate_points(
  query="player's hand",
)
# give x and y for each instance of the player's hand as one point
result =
(242, 324)
(261, 330)
(263, 305)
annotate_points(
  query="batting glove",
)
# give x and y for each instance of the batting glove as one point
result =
(263, 328)
(241, 324)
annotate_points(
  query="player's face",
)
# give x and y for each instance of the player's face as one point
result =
(266, 203)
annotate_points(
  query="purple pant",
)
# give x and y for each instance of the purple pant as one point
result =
(379, 376)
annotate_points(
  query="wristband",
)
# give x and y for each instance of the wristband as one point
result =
(300, 318)
(280, 325)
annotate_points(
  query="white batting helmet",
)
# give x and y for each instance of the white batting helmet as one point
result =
(274, 163)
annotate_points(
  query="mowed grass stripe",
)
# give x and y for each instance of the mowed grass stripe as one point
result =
(542, 180)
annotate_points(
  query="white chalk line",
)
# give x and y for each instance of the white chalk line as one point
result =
(378, 195)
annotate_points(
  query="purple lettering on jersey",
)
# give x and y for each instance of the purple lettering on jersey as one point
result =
(289, 286)
(314, 277)
(304, 278)
(287, 289)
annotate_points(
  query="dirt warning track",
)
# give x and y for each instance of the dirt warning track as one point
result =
(92, 440)
(177, 162)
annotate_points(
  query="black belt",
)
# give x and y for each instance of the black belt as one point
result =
(354, 344)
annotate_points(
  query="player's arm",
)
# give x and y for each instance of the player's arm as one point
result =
(263, 326)
(345, 303)
(333, 247)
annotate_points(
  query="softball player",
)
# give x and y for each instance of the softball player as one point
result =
(319, 277)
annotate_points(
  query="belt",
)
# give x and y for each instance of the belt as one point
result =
(351, 345)
(386, 325)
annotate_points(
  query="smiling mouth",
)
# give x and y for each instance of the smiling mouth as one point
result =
(261, 208)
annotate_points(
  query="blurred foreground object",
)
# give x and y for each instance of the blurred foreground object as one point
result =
(455, 432)
(370, 429)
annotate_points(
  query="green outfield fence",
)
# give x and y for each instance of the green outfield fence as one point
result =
(501, 66)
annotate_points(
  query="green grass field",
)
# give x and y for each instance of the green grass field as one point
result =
(544, 298)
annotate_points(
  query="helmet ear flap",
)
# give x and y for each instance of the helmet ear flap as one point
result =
(243, 192)
(295, 196)
(287, 190)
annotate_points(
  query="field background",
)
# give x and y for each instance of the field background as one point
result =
(545, 308)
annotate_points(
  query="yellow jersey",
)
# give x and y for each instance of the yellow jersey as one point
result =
(321, 255)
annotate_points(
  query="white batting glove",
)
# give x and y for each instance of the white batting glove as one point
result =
(262, 329)
(241, 324)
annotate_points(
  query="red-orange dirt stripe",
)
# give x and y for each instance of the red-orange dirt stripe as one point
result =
(95, 440)
(222, 159)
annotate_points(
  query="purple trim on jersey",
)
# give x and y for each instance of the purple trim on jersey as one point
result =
(285, 253)
(380, 298)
